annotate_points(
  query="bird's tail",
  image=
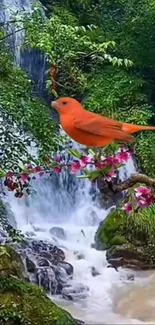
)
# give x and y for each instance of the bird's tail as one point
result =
(131, 128)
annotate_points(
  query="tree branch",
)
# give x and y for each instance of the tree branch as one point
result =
(133, 180)
(10, 22)
(6, 36)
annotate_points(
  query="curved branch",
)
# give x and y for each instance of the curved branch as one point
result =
(8, 35)
(133, 180)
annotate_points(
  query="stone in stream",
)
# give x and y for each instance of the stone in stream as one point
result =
(43, 262)
(30, 265)
(45, 278)
(58, 232)
(75, 292)
(67, 267)
(61, 277)
(80, 256)
(94, 271)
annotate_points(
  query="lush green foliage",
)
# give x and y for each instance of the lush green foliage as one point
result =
(24, 118)
(82, 54)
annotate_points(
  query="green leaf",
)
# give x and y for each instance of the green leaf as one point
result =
(75, 153)
(91, 152)
(82, 176)
(106, 169)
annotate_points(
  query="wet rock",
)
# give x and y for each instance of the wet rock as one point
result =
(112, 266)
(67, 267)
(67, 297)
(43, 262)
(76, 291)
(46, 255)
(57, 255)
(94, 271)
(130, 277)
(128, 256)
(58, 232)
(45, 278)
(80, 256)
(30, 265)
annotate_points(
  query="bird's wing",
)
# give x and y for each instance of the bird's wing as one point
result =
(102, 126)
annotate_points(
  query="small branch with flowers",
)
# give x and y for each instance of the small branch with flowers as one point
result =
(90, 166)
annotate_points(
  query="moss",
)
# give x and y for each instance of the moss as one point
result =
(110, 229)
(11, 262)
(22, 303)
(118, 240)
(129, 239)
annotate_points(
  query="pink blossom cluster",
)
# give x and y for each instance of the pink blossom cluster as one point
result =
(115, 161)
(143, 197)
(104, 165)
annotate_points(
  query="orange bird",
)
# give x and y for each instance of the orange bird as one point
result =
(90, 129)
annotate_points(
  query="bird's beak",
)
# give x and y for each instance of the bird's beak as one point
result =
(55, 104)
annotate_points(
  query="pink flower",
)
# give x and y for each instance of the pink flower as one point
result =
(57, 169)
(111, 174)
(24, 177)
(144, 202)
(41, 173)
(123, 156)
(127, 207)
(37, 169)
(57, 159)
(9, 175)
(142, 191)
(84, 160)
(75, 167)
(29, 167)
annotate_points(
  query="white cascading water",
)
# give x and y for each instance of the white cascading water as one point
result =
(70, 203)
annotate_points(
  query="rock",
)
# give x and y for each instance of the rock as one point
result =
(75, 292)
(68, 297)
(30, 265)
(67, 267)
(43, 262)
(94, 271)
(128, 240)
(58, 232)
(112, 266)
(128, 256)
(46, 255)
(80, 256)
(45, 278)
(20, 298)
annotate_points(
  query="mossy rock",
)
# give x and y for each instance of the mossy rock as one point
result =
(108, 233)
(25, 304)
(11, 262)
(129, 239)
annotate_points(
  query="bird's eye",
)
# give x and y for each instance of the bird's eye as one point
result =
(64, 103)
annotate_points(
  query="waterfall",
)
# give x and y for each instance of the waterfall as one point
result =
(31, 61)
(70, 205)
